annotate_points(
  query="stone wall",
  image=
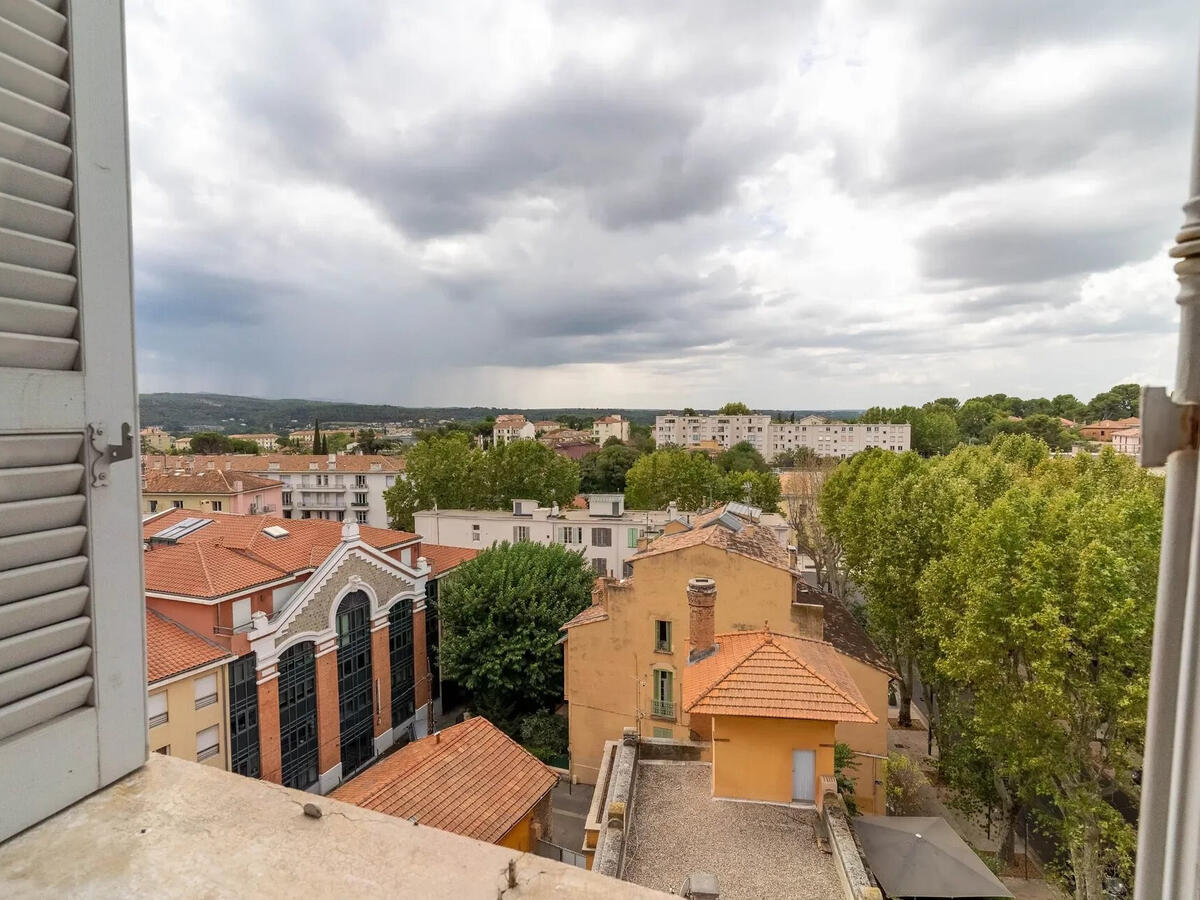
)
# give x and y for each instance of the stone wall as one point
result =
(856, 883)
(315, 614)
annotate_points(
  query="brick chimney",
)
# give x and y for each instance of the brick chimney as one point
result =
(702, 598)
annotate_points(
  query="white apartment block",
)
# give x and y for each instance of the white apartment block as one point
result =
(608, 427)
(605, 533)
(769, 438)
(338, 487)
(267, 442)
(684, 431)
(512, 428)
(838, 438)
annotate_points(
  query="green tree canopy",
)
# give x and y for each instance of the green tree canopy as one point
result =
(451, 473)
(209, 442)
(672, 474)
(603, 472)
(742, 457)
(734, 409)
(501, 613)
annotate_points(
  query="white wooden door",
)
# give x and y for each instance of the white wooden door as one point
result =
(804, 776)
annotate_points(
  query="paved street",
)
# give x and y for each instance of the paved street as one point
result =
(568, 810)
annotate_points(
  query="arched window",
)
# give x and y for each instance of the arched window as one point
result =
(400, 645)
(298, 716)
(355, 700)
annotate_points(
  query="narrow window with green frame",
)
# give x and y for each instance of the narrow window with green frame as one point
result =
(663, 703)
(662, 636)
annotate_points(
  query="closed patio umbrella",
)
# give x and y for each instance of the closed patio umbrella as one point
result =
(922, 856)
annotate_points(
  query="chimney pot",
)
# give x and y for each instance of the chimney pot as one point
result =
(702, 598)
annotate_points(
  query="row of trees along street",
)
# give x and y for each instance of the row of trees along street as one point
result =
(1021, 587)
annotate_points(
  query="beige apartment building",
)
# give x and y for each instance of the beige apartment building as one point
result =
(265, 441)
(211, 491)
(825, 437)
(626, 656)
(154, 438)
(187, 698)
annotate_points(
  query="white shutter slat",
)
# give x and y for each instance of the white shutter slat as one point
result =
(42, 675)
(29, 115)
(31, 217)
(28, 46)
(33, 83)
(36, 547)
(40, 18)
(40, 515)
(37, 253)
(30, 646)
(21, 584)
(23, 450)
(29, 183)
(40, 319)
(25, 351)
(25, 283)
(32, 482)
(32, 251)
(38, 612)
(33, 150)
(44, 706)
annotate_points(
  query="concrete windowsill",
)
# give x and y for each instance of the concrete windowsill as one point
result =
(178, 829)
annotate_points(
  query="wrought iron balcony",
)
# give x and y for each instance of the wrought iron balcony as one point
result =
(662, 709)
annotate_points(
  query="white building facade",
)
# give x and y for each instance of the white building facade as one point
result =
(684, 431)
(824, 437)
(512, 428)
(337, 487)
(609, 427)
(605, 533)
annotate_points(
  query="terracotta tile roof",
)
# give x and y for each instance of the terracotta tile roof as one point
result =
(286, 462)
(842, 629)
(755, 541)
(233, 554)
(442, 558)
(1129, 432)
(761, 673)
(172, 649)
(510, 420)
(609, 420)
(204, 482)
(471, 779)
(597, 612)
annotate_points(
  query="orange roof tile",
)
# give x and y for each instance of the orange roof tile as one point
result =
(205, 482)
(172, 649)
(755, 541)
(237, 555)
(442, 558)
(761, 673)
(471, 779)
(597, 612)
(284, 462)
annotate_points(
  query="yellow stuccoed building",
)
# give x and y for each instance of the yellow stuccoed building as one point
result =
(626, 656)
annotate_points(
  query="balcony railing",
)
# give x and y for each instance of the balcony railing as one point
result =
(300, 503)
(226, 630)
(262, 509)
(662, 709)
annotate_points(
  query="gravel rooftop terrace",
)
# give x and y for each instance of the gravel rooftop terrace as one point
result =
(756, 850)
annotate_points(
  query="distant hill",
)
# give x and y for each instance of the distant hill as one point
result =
(179, 413)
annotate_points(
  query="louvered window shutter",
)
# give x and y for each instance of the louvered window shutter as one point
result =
(72, 643)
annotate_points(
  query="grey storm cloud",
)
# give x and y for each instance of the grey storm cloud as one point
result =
(633, 151)
(993, 253)
(529, 185)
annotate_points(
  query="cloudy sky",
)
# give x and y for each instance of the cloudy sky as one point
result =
(798, 204)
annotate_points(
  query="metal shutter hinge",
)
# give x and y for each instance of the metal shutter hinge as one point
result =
(1167, 426)
(105, 454)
